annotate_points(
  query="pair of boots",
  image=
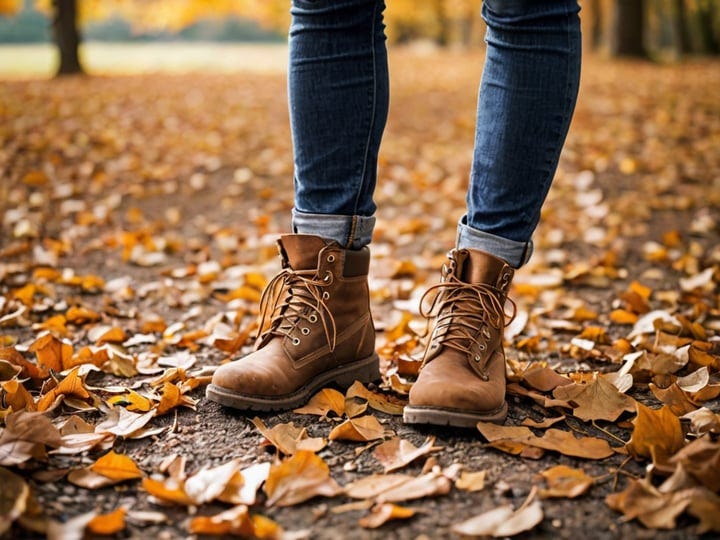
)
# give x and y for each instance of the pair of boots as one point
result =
(316, 330)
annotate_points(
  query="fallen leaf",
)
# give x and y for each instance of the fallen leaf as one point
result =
(361, 429)
(502, 521)
(299, 478)
(656, 435)
(168, 491)
(396, 453)
(26, 434)
(471, 481)
(209, 483)
(14, 498)
(701, 460)
(288, 438)
(173, 397)
(108, 524)
(382, 513)
(117, 467)
(641, 500)
(244, 485)
(379, 402)
(325, 401)
(553, 439)
(564, 481)
(597, 400)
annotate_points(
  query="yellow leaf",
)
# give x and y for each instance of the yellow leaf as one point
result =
(382, 513)
(71, 385)
(51, 352)
(172, 397)
(132, 401)
(81, 315)
(116, 467)
(471, 481)
(235, 521)
(17, 397)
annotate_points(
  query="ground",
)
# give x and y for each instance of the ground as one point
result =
(175, 181)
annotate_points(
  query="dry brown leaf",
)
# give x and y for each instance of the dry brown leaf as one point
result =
(654, 509)
(299, 478)
(553, 439)
(25, 436)
(656, 435)
(379, 402)
(325, 401)
(361, 429)
(703, 421)
(564, 481)
(471, 481)
(14, 499)
(543, 424)
(675, 398)
(426, 485)
(597, 400)
(396, 453)
(544, 379)
(701, 460)
(124, 423)
(382, 513)
(370, 487)
(288, 438)
(501, 521)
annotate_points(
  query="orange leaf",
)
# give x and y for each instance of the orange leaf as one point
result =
(172, 397)
(382, 513)
(51, 352)
(71, 385)
(362, 429)
(323, 402)
(657, 434)
(564, 481)
(116, 467)
(107, 524)
(17, 397)
(299, 478)
(170, 492)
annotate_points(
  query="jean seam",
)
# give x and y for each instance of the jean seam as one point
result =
(373, 107)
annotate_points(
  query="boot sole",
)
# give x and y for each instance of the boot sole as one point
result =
(365, 370)
(439, 416)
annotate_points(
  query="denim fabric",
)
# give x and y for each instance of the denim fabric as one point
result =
(338, 87)
(339, 91)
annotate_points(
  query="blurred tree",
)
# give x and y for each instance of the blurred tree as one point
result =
(628, 36)
(67, 36)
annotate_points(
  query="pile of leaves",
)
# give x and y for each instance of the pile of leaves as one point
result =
(138, 233)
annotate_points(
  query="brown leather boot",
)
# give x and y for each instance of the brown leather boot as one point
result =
(320, 330)
(462, 380)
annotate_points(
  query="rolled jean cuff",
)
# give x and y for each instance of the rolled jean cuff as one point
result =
(351, 232)
(513, 252)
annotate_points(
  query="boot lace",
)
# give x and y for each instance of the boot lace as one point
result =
(463, 312)
(293, 296)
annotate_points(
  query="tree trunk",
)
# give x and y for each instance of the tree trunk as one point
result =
(706, 19)
(443, 37)
(67, 36)
(596, 32)
(682, 38)
(628, 36)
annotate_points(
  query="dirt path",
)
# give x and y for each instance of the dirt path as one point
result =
(196, 171)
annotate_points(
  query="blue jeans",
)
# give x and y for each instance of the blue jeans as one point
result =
(338, 88)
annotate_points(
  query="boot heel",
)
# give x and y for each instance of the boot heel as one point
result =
(366, 371)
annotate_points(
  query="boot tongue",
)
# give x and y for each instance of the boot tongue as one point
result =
(478, 267)
(301, 250)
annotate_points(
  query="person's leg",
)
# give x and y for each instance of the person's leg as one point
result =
(526, 101)
(527, 96)
(316, 328)
(338, 88)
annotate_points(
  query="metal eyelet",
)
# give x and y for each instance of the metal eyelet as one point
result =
(485, 376)
(296, 341)
(481, 346)
(477, 358)
(328, 277)
(326, 295)
(486, 332)
(312, 318)
(331, 258)
(305, 331)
